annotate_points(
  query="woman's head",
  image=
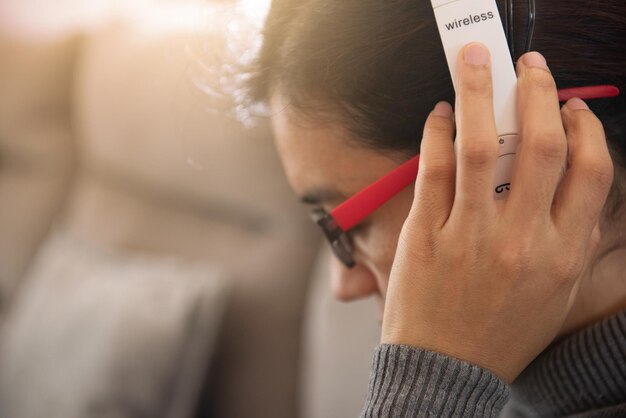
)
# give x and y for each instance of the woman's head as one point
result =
(351, 83)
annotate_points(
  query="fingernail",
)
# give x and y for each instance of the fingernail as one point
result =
(535, 59)
(476, 54)
(443, 109)
(577, 104)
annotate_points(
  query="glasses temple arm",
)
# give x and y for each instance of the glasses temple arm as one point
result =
(589, 93)
(361, 205)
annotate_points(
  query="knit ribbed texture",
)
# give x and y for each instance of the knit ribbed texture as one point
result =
(412, 382)
(582, 374)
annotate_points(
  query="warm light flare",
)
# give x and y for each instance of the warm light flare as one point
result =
(59, 17)
(256, 9)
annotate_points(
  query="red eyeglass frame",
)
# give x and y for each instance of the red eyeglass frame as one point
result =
(359, 206)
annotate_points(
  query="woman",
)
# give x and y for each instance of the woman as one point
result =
(483, 300)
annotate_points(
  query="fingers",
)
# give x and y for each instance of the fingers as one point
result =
(434, 192)
(585, 187)
(477, 139)
(542, 151)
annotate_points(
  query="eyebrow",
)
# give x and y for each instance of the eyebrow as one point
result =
(322, 196)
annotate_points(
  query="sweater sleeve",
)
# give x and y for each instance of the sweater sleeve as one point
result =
(412, 382)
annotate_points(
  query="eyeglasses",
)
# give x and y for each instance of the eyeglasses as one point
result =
(338, 223)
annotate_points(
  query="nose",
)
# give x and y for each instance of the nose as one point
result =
(352, 284)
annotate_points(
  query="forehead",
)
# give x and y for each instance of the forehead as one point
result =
(319, 156)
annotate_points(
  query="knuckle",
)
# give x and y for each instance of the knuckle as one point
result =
(515, 258)
(548, 146)
(567, 269)
(476, 82)
(471, 206)
(459, 256)
(478, 154)
(540, 78)
(437, 169)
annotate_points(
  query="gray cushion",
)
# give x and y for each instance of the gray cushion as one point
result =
(98, 333)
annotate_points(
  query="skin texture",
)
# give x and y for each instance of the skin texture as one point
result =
(462, 267)
(324, 158)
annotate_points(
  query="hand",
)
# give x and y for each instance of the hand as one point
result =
(490, 281)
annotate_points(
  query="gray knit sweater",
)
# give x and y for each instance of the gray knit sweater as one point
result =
(583, 375)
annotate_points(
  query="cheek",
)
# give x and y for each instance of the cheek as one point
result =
(378, 245)
(377, 251)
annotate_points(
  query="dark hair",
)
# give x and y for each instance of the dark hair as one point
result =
(378, 66)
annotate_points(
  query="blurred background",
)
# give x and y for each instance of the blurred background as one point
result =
(153, 260)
